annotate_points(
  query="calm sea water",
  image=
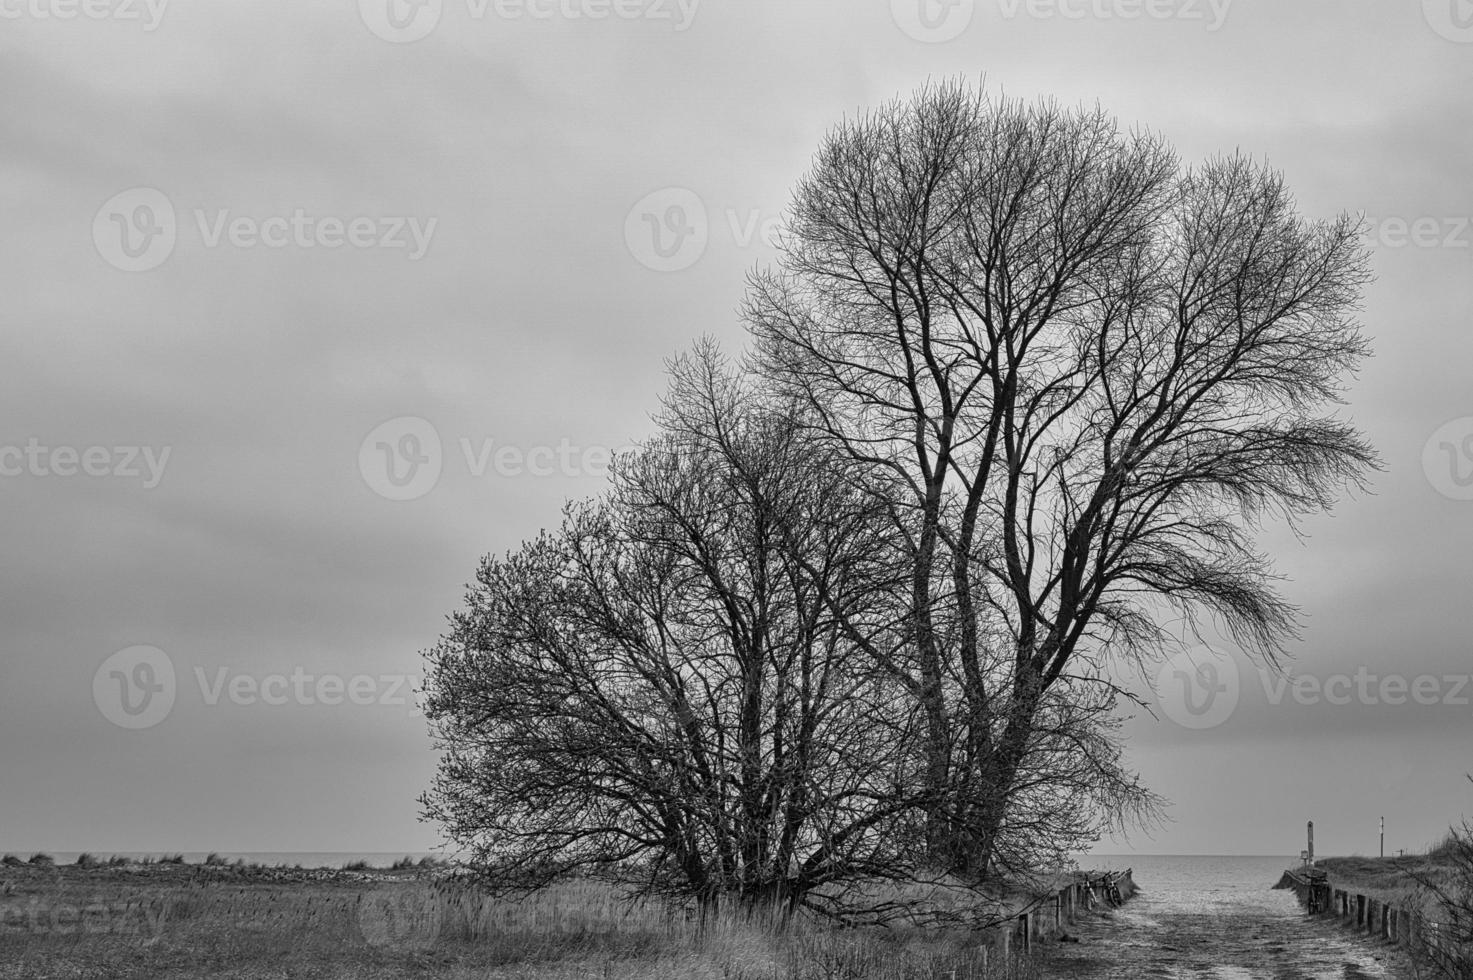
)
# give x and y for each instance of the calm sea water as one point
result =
(1214, 917)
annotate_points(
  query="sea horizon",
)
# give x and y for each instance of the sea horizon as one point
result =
(307, 859)
(338, 859)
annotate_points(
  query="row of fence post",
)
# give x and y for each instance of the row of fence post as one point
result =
(1374, 917)
(1050, 917)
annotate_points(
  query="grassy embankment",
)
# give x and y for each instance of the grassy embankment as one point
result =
(1396, 879)
(171, 921)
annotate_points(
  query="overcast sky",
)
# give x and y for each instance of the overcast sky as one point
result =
(249, 248)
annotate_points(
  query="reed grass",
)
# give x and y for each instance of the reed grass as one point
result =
(166, 922)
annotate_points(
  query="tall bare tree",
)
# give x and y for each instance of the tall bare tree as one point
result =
(1075, 373)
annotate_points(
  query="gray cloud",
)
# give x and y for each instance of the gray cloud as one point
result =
(529, 323)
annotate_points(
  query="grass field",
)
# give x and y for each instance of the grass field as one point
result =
(1436, 884)
(1394, 879)
(171, 921)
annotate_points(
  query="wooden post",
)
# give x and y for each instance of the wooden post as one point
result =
(1360, 911)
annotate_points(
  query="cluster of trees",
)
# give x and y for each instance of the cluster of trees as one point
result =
(1020, 385)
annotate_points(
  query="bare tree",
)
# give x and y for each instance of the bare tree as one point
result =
(1075, 374)
(662, 688)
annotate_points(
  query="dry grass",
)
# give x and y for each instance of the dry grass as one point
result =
(169, 922)
(1391, 879)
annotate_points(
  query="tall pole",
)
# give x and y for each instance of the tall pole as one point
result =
(1311, 842)
(1383, 836)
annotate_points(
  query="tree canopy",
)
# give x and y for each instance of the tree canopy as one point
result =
(1021, 387)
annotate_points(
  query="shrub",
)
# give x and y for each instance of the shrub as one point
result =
(43, 860)
(1447, 877)
(86, 860)
(11, 861)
